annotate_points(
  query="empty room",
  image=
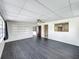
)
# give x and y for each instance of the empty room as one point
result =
(39, 29)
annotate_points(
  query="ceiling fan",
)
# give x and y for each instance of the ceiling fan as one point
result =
(40, 21)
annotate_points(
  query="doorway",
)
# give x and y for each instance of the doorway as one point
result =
(46, 31)
(39, 31)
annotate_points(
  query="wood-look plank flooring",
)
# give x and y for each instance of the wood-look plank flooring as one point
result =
(39, 48)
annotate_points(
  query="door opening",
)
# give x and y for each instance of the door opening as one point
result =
(46, 31)
(39, 31)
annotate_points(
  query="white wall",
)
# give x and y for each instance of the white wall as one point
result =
(71, 37)
(19, 30)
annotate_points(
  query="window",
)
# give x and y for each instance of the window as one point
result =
(1, 28)
(61, 27)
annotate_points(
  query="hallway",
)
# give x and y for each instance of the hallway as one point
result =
(39, 48)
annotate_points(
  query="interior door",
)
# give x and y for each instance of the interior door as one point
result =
(46, 31)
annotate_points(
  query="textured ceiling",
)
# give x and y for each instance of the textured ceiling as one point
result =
(46, 10)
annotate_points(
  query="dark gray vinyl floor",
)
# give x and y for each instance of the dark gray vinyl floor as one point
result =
(39, 48)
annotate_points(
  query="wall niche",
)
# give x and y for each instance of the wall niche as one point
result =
(61, 27)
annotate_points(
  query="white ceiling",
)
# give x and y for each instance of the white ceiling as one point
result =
(46, 10)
